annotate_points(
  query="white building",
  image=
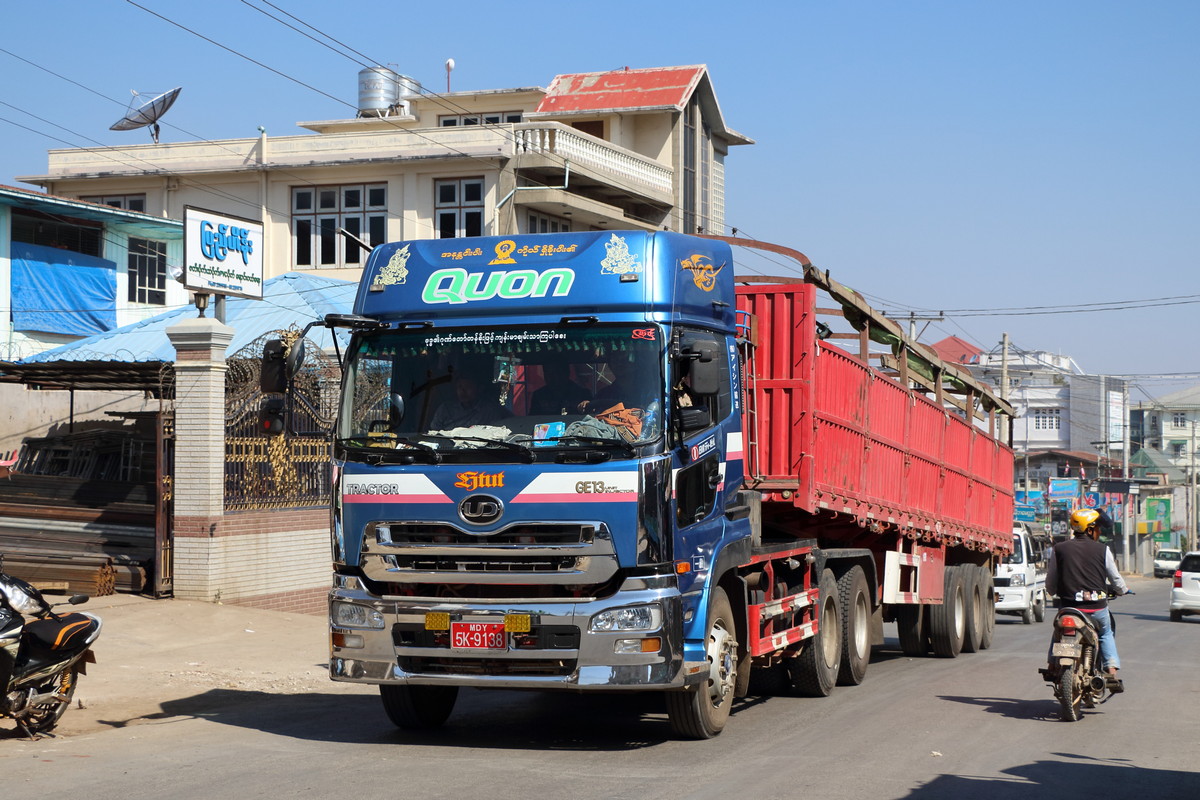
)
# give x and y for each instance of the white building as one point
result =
(632, 148)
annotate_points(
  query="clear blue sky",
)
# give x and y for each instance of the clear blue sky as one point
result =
(934, 154)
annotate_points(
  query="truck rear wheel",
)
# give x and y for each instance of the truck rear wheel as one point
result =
(701, 711)
(989, 608)
(418, 707)
(948, 622)
(974, 610)
(910, 630)
(855, 602)
(814, 671)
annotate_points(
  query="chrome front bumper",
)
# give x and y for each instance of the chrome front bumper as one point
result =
(390, 655)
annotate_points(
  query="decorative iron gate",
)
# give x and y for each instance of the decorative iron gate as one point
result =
(287, 471)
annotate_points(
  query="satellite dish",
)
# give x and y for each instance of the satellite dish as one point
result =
(140, 115)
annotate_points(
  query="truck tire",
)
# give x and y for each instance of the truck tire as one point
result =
(947, 622)
(814, 671)
(973, 612)
(1039, 608)
(989, 608)
(855, 602)
(910, 630)
(700, 712)
(415, 708)
(1027, 614)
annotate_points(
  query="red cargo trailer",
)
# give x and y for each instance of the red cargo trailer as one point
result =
(880, 482)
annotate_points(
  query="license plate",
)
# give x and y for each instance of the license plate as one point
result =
(478, 636)
(1065, 649)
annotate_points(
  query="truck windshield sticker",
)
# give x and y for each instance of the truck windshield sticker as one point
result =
(455, 285)
(494, 337)
(396, 270)
(645, 334)
(704, 274)
(619, 260)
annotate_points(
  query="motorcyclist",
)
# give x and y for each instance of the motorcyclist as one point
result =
(1079, 571)
(17, 600)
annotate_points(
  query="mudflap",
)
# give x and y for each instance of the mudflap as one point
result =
(88, 658)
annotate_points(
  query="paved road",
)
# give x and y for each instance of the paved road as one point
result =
(981, 726)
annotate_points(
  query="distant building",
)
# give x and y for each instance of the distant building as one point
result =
(1064, 415)
(630, 148)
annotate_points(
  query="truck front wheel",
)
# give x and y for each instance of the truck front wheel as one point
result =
(418, 707)
(702, 711)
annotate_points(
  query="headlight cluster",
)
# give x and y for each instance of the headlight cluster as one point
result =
(633, 618)
(1016, 579)
(352, 615)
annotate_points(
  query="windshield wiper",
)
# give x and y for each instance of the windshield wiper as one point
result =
(629, 449)
(378, 455)
(525, 452)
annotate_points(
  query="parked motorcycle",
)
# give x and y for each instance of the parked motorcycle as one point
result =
(1075, 669)
(41, 659)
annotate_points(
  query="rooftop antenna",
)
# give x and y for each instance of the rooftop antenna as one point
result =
(140, 114)
(449, 69)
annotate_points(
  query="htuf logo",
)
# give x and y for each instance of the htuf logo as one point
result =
(479, 480)
(480, 509)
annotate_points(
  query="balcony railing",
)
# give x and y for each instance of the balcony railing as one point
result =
(556, 139)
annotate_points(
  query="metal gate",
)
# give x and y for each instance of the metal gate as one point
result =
(287, 471)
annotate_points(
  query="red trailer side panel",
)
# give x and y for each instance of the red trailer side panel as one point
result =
(827, 432)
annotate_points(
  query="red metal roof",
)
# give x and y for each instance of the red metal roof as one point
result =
(657, 87)
(956, 351)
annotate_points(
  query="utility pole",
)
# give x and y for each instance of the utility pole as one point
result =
(1191, 497)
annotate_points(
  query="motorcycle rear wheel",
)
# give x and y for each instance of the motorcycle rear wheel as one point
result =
(1069, 698)
(45, 716)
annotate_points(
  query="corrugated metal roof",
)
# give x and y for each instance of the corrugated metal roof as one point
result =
(623, 89)
(133, 356)
(290, 299)
(130, 221)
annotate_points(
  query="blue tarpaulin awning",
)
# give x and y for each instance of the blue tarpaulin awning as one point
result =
(60, 291)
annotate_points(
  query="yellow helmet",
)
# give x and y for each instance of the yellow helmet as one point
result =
(1083, 518)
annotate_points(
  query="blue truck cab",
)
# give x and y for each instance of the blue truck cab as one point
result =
(536, 467)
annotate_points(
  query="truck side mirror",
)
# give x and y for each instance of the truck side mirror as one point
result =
(705, 371)
(273, 378)
(694, 419)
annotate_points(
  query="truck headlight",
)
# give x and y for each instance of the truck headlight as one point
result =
(352, 615)
(632, 618)
(1016, 579)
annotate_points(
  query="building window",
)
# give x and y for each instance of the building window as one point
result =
(1046, 419)
(147, 272)
(1177, 448)
(1178, 419)
(52, 230)
(488, 118)
(544, 223)
(458, 207)
(128, 202)
(318, 212)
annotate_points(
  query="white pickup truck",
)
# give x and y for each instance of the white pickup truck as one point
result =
(1020, 579)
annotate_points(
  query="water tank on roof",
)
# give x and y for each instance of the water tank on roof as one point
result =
(383, 92)
(378, 91)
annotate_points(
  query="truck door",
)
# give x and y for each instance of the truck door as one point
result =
(701, 405)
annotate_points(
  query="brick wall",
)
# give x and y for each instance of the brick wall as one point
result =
(269, 559)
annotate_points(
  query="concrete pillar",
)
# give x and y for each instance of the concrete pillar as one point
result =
(199, 483)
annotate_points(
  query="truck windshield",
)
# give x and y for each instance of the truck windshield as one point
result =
(516, 390)
(1017, 556)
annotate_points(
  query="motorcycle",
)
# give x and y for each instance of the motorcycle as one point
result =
(44, 656)
(1075, 669)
